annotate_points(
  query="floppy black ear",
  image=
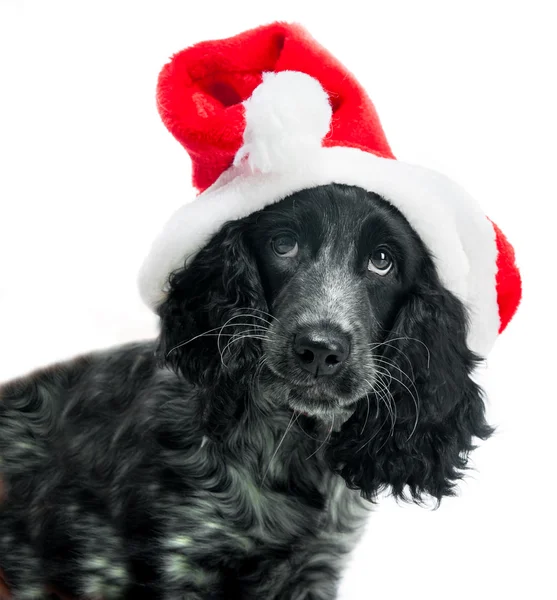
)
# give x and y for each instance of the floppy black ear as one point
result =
(417, 441)
(213, 310)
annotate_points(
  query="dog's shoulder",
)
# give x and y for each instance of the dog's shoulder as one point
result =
(133, 360)
(81, 401)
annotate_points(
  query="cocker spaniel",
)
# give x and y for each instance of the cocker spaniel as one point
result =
(309, 357)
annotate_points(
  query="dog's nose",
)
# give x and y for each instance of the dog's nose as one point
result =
(321, 352)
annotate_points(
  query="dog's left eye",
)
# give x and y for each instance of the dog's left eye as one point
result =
(285, 245)
(380, 262)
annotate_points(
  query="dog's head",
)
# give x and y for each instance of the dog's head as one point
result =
(331, 304)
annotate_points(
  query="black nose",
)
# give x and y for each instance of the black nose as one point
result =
(320, 351)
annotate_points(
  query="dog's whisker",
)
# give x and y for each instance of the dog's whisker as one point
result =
(384, 361)
(255, 381)
(248, 332)
(381, 359)
(388, 400)
(414, 398)
(380, 393)
(378, 380)
(377, 432)
(238, 338)
(393, 410)
(388, 343)
(263, 312)
(386, 397)
(384, 393)
(209, 333)
(307, 434)
(254, 388)
(217, 335)
(367, 415)
(377, 410)
(237, 316)
(327, 438)
(368, 403)
(235, 338)
(250, 315)
(293, 419)
(382, 371)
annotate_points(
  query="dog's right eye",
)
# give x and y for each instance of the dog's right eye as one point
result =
(285, 245)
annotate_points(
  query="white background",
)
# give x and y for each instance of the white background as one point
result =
(88, 175)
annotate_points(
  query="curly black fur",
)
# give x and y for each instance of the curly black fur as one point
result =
(210, 464)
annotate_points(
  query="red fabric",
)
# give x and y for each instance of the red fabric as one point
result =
(201, 90)
(508, 281)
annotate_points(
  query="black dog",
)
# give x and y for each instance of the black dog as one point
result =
(308, 357)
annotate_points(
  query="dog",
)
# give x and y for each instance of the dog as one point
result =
(309, 358)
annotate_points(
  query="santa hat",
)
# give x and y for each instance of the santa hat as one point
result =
(270, 112)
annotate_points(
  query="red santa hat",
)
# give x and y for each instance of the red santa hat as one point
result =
(270, 112)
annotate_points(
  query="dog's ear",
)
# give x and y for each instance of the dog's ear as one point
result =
(214, 314)
(417, 438)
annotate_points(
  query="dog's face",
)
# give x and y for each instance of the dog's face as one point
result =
(328, 304)
(335, 265)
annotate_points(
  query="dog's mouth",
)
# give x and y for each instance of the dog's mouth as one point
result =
(315, 398)
(319, 406)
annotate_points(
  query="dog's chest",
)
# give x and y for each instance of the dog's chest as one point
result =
(266, 513)
(248, 508)
(267, 492)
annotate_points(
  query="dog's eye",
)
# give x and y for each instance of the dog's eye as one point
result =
(380, 262)
(285, 245)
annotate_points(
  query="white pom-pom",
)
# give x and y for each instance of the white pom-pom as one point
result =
(287, 116)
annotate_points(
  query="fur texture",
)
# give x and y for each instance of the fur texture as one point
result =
(212, 463)
(287, 116)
